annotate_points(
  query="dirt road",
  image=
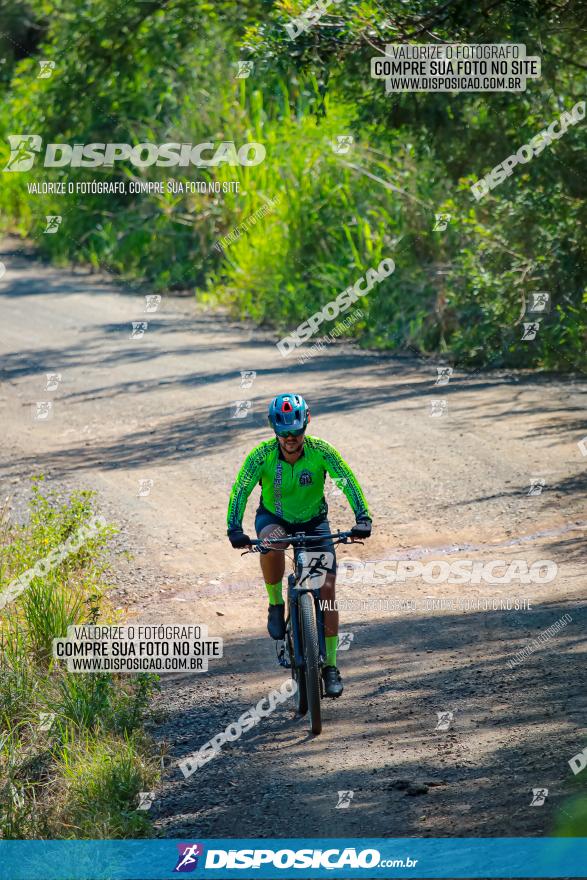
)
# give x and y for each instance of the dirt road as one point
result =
(148, 423)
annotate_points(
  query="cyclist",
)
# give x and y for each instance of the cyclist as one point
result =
(291, 470)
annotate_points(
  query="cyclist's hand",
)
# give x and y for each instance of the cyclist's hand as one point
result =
(361, 530)
(238, 539)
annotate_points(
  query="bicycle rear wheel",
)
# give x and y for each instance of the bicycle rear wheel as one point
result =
(311, 652)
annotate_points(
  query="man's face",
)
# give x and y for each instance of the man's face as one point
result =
(291, 445)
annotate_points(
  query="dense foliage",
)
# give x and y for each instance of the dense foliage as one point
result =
(165, 70)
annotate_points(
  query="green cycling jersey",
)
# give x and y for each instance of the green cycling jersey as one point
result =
(295, 492)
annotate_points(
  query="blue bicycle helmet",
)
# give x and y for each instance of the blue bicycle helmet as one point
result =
(288, 414)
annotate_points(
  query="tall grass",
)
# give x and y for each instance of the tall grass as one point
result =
(72, 753)
(101, 780)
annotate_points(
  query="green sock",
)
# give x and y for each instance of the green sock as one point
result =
(331, 646)
(275, 593)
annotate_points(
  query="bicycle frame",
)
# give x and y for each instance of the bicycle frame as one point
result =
(300, 541)
(293, 594)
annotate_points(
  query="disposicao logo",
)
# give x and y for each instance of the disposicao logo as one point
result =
(284, 858)
(332, 309)
(25, 147)
(189, 854)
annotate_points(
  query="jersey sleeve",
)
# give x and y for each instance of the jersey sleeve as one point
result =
(246, 480)
(339, 470)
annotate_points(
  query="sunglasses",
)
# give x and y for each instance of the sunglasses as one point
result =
(297, 433)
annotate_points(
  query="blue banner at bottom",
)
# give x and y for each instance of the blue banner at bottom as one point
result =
(364, 858)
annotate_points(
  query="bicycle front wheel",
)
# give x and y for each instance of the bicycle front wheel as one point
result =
(299, 677)
(311, 653)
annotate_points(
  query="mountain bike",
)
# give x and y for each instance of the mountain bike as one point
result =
(304, 648)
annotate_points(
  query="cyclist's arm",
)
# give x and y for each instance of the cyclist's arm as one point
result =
(246, 480)
(340, 470)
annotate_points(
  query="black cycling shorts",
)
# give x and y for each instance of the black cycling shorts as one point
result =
(317, 526)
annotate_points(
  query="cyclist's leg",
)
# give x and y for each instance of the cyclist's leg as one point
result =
(268, 525)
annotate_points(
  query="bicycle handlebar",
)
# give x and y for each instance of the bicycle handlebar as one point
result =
(299, 540)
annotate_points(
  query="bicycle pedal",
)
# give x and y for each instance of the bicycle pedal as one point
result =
(283, 656)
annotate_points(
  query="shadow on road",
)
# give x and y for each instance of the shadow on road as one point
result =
(513, 730)
(208, 429)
